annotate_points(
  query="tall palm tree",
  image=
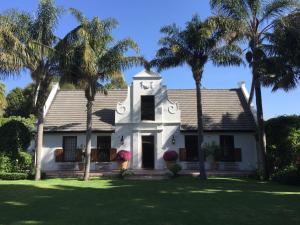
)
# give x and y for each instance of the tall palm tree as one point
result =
(27, 44)
(89, 57)
(255, 19)
(198, 43)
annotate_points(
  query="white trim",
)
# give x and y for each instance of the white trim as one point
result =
(242, 86)
(55, 88)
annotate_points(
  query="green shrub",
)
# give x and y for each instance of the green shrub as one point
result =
(13, 176)
(288, 175)
(283, 141)
(176, 169)
(24, 161)
(31, 175)
(15, 136)
(5, 163)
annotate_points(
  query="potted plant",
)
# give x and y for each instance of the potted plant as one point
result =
(123, 157)
(212, 151)
(170, 158)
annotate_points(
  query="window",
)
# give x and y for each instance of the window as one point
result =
(103, 147)
(191, 143)
(227, 148)
(69, 146)
(147, 107)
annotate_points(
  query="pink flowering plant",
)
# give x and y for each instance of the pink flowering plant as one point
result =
(124, 155)
(170, 155)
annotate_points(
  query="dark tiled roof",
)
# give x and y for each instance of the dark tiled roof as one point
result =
(223, 109)
(68, 111)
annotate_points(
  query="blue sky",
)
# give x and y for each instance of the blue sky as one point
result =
(141, 20)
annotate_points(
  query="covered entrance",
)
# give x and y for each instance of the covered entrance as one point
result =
(148, 152)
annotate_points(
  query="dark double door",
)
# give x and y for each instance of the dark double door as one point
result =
(148, 152)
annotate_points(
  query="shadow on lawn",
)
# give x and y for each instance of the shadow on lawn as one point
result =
(171, 202)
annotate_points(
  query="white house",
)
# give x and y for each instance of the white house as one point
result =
(148, 119)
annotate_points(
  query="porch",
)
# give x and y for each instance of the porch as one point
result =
(145, 174)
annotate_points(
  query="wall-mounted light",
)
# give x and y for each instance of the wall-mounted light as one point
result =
(122, 140)
(173, 140)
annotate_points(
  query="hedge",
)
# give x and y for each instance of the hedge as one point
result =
(13, 176)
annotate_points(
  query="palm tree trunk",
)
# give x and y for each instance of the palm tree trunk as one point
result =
(261, 130)
(39, 143)
(89, 107)
(200, 130)
(251, 92)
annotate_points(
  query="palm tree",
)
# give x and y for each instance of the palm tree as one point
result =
(283, 63)
(255, 19)
(27, 44)
(2, 97)
(198, 43)
(89, 57)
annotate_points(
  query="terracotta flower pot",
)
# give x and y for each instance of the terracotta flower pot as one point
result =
(170, 164)
(123, 165)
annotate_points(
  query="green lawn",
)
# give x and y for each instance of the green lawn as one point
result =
(184, 201)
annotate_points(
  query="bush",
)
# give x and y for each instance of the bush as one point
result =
(125, 173)
(170, 155)
(288, 175)
(15, 136)
(24, 161)
(176, 169)
(13, 176)
(123, 155)
(5, 163)
(283, 141)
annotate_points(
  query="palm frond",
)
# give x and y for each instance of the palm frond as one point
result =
(277, 8)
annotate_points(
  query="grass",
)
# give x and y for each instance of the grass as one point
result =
(182, 201)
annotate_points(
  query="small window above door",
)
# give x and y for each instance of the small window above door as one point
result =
(147, 107)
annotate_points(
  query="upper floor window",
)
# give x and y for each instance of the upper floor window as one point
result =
(147, 107)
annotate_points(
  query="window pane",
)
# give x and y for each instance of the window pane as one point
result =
(227, 147)
(104, 146)
(69, 146)
(147, 107)
(191, 143)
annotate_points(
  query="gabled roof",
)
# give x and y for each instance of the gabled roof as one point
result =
(223, 110)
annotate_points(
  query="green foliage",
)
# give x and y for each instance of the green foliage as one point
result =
(288, 175)
(198, 43)
(284, 65)
(175, 169)
(68, 86)
(20, 102)
(24, 161)
(211, 149)
(3, 102)
(15, 137)
(13, 176)
(272, 39)
(89, 56)
(28, 122)
(282, 134)
(125, 173)
(5, 163)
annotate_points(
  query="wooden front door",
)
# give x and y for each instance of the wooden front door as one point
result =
(148, 152)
